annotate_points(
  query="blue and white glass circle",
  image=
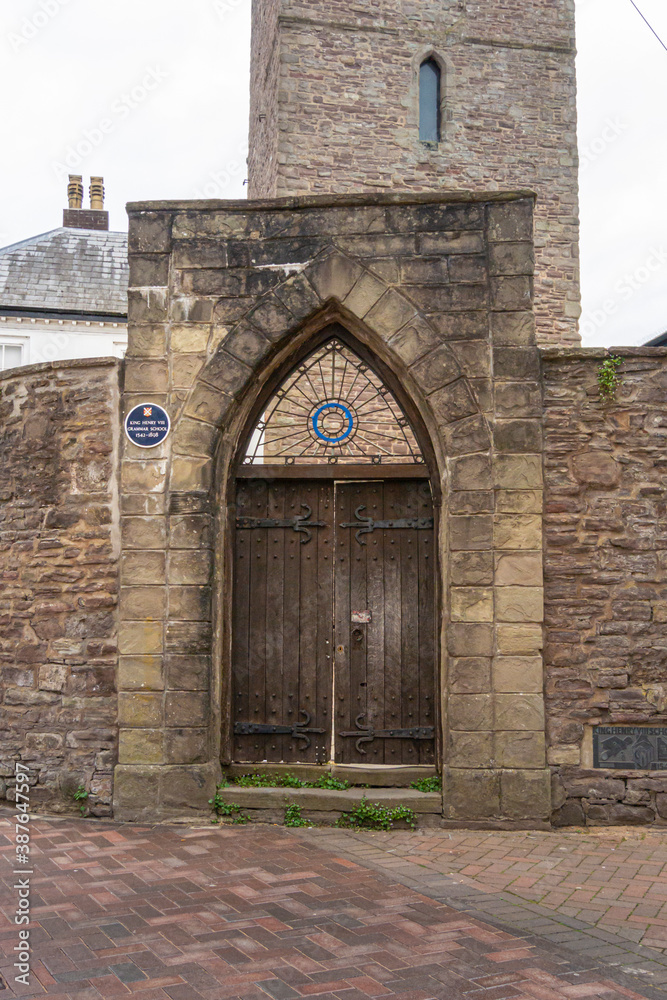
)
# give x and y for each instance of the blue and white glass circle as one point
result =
(345, 431)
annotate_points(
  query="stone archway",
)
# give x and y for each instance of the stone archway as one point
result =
(461, 344)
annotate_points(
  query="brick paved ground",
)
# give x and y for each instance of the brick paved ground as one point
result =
(613, 879)
(251, 913)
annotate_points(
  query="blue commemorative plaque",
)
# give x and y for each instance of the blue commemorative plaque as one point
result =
(147, 425)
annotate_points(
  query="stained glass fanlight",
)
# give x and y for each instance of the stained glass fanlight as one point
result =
(332, 409)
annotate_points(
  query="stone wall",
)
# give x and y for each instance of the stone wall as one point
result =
(605, 577)
(264, 76)
(335, 108)
(226, 297)
(59, 542)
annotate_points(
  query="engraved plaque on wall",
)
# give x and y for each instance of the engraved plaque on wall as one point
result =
(630, 748)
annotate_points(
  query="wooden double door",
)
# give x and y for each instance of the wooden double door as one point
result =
(334, 622)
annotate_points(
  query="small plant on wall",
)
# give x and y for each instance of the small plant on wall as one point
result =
(81, 796)
(293, 816)
(226, 810)
(373, 816)
(608, 378)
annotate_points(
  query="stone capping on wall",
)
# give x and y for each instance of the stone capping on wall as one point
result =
(586, 353)
(46, 366)
(333, 201)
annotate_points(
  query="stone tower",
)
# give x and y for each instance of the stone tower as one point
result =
(335, 109)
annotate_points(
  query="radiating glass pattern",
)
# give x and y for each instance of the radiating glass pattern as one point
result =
(332, 409)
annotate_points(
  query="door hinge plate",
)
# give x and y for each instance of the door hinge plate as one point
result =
(298, 731)
(300, 523)
(366, 734)
(368, 524)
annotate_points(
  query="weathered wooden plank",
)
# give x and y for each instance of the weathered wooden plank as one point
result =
(291, 622)
(307, 493)
(324, 597)
(375, 630)
(393, 616)
(342, 719)
(410, 660)
(258, 507)
(358, 494)
(332, 472)
(241, 626)
(275, 596)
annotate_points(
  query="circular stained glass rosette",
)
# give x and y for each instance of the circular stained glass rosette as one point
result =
(332, 423)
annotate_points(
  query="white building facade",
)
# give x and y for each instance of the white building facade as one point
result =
(63, 294)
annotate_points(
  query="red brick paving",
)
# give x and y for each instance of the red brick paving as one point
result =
(250, 914)
(615, 879)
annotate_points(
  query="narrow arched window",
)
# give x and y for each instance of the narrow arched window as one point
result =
(430, 83)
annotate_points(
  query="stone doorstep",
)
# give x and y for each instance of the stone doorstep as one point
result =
(320, 800)
(276, 817)
(378, 776)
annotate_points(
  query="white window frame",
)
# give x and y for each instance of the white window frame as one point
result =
(7, 340)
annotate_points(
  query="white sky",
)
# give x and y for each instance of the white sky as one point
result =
(154, 94)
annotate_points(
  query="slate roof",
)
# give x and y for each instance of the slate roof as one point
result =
(69, 270)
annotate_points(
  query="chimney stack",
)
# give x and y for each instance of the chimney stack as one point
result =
(97, 193)
(75, 191)
(76, 217)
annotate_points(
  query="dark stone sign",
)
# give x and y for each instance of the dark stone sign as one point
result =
(147, 425)
(630, 748)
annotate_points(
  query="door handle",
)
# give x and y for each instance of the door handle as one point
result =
(357, 635)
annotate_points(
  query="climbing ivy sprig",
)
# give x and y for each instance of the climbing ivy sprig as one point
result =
(608, 378)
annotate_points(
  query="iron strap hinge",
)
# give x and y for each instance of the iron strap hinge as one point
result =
(366, 734)
(369, 524)
(298, 731)
(299, 523)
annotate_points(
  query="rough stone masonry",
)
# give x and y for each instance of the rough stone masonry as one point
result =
(335, 108)
(59, 547)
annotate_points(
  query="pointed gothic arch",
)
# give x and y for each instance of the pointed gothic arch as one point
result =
(344, 518)
(333, 409)
(381, 325)
(335, 370)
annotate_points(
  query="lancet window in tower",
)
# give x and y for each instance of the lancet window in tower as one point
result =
(430, 85)
(332, 409)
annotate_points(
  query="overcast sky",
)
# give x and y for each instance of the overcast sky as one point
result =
(153, 94)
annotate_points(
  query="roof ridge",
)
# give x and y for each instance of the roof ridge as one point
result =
(62, 229)
(67, 270)
(30, 239)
